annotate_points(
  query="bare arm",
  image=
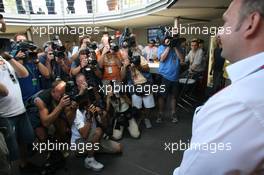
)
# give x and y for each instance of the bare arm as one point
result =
(179, 54)
(164, 55)
(43, 70)
(20, 70)
(46, 118)
(3, 90)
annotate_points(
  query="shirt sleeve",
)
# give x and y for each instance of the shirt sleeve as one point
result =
(79, 120)
(143, 61)
(221, 140)
(75, 50)
(160, 51)
(198, 58)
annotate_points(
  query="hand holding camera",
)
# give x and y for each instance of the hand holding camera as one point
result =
(84, 62)
(65, 101)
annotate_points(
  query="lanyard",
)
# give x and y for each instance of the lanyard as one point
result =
(31, 71)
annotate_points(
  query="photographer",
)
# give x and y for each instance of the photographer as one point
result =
(13, 115)
(57, 62)
(136, 71)
(123, 115)
(52, 105)
(170, 57)
(85, 131)
(84, 43)
(87, 65)
(89, 123)
(110, 61)
(27, 56)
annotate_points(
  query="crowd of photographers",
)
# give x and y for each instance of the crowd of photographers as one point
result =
(58, 92)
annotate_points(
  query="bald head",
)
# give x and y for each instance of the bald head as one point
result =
(58, 90)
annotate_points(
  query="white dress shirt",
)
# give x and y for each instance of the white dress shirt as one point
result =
(234, 117)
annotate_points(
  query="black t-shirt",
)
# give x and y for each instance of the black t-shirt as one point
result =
(46, 97)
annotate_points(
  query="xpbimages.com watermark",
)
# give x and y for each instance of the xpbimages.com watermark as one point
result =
(58, 146)
(145, 89)
(197, 30)
(210, 147)
(64, 30)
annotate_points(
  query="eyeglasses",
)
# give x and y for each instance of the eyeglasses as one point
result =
(50, 53)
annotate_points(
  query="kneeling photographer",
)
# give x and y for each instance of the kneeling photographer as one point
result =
(89, 123)
(53, 124)
(124, 114)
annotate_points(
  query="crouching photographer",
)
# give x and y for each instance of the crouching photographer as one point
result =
(88, 125)
(53, 124)
(124, 114)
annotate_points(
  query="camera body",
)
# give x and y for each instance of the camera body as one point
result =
(72, 92)
(135, 59)
(173, 41)
(58, 50)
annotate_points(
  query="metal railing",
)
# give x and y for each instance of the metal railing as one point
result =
(45, 10)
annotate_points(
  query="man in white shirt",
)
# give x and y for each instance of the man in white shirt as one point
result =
(13, 115)
(233, 119)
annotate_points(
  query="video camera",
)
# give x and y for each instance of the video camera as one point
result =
(135, 59)
(127, 40)
(164, 34)
(27, 47)
(113, 46)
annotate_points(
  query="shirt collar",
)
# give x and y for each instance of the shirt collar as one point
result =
(245, 67)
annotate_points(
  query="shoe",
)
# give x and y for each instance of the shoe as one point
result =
(91, 163)
(147, 123)
(174, 118)
(159, 119)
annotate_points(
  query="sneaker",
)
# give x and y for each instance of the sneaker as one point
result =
(91, 163)
(174, 118)
(147, 123)
(159, 119)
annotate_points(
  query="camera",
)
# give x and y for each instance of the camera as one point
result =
(72, 92)
(27, 47)
(135, 59)
(113, 46)
(174, 41)
(127, 40)
(58, 50)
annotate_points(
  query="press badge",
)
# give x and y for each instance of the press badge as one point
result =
(34, 81)
(110, 70)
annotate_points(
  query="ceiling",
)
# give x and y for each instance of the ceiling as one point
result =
(189, 11)
(197, 10)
